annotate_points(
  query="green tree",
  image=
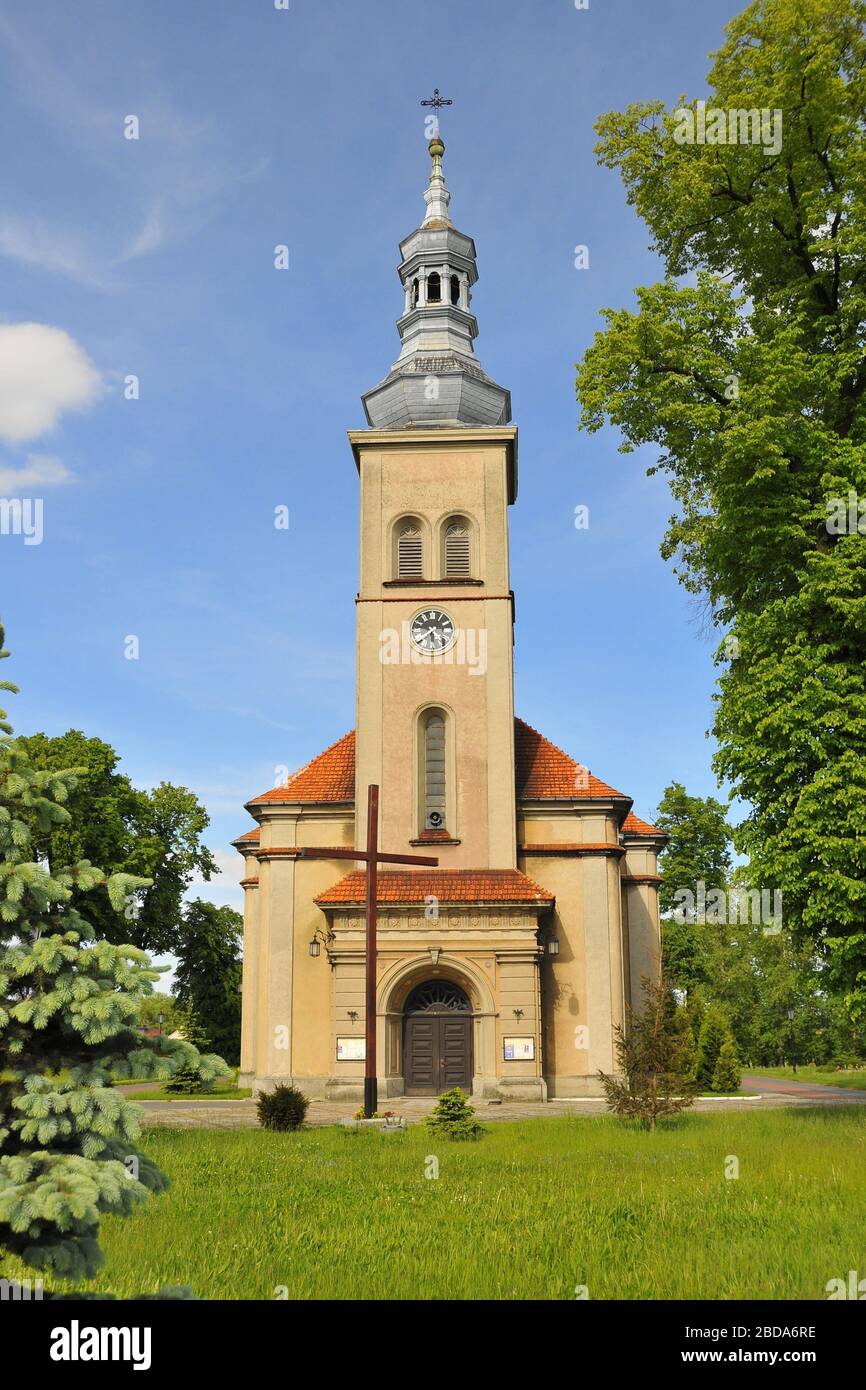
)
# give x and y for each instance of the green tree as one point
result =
(68, 1008)
(208, 975)
(699, 843)
(654, 1052)
(697, 851)
(714, 1032)
(151, 834)
(751, 382)
(727, 1074)
(155, 1005)
(191, 1079)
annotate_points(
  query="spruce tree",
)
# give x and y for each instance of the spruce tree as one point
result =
(655, 1054)
(188, 1081)
(68, 1007)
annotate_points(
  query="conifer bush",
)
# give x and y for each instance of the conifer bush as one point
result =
(714, 1031)
(283, 1109)
(727, 1074)
(454, 1118)
(68, 1008)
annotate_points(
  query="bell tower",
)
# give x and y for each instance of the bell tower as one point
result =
(435, 612)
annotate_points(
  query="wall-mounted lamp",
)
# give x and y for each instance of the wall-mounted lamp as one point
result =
(518, 1013)
(319, 936)
(553, 947)
(353, 1015)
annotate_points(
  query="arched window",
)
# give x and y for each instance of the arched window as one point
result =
(434, 771)
(434, 288)
(455, 289)
(458, 550)
(414, 293)
(410, 551)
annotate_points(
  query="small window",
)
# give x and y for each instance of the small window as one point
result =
(410, 553)
(457, 551)
(434, 772)
(455, 290)
(434, 288)
(414, 294)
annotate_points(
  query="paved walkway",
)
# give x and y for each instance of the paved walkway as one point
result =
(241, 1114)
(801, 1090)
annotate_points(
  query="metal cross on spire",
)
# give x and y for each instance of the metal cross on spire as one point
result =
(437, 102)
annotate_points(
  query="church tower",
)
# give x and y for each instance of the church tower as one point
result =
(506, 969)
(438, 470)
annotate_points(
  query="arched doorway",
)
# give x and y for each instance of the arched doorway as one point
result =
(437, 1039)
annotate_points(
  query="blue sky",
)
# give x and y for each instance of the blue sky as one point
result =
(154, 257)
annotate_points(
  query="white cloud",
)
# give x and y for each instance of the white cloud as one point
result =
(40, 471)
(151, 235)
(34, 241)
(43, 372)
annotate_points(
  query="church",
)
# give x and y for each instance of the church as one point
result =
(506, 969)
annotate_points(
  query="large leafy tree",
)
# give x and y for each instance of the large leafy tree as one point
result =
(153, 834)
(208, 975)
(68, 1005)
(697, 851)
(746, 368)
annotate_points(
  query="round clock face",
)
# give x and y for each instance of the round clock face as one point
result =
(432, 630)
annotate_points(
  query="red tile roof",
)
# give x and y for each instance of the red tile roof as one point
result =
(447, 885)
(633, 825)
(329, 777)
(544, 773)
(250, 835)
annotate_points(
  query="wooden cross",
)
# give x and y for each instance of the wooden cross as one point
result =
(372, 859)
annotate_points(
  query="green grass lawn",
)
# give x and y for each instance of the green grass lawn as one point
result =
(534, 1209)
(855, 1080)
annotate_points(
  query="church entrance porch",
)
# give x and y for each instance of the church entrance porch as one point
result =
(437, 1039)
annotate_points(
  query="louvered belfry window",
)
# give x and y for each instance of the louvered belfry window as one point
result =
(434, 772)
(457, 551)
(410, 553)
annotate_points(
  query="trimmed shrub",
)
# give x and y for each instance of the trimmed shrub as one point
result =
(284, 1108)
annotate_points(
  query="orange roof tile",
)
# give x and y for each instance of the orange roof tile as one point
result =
(448, 885)
(329, 777)
(633, 825)
(250, 835)
(544, 773)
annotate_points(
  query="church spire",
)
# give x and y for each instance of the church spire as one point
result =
(437, 380)
(436, 195)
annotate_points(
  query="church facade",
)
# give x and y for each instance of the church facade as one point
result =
(506, 969)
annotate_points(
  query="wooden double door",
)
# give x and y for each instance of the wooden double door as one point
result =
(437, 1040)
